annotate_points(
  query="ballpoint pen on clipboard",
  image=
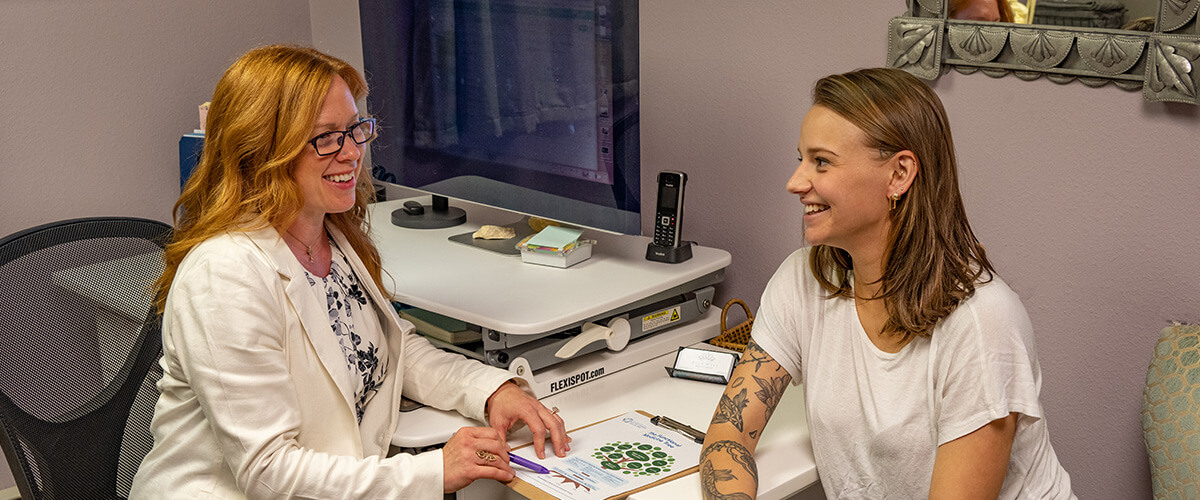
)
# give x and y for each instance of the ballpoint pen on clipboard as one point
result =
(528, 464)
(666, 422)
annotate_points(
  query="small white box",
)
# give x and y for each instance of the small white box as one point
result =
(555, 246)
(579, 253)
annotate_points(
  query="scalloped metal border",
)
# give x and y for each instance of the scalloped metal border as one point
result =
(1162, 64)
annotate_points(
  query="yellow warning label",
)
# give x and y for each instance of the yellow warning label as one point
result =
(660, 318)
(656, 315)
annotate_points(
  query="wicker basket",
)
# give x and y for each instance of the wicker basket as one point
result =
(737, 337)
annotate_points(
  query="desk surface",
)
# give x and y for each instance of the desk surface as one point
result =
(502, 293)
(785, 460)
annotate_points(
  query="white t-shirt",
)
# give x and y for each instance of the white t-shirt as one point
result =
(877, 418)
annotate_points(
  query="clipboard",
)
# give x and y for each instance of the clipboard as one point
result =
(690, 465)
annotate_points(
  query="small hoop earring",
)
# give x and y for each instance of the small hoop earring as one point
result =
(894, 197)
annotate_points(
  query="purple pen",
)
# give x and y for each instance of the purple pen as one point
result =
(528, 464)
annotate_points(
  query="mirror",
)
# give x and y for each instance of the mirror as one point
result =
(1119, 14)
(927, 42)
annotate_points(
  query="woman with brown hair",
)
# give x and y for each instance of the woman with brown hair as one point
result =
(920, 375)
(283, 360)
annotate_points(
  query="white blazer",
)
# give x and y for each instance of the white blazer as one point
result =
(255, 395)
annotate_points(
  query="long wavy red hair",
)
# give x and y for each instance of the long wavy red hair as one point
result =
(259, 122)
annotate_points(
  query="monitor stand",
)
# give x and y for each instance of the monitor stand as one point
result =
(436, 216)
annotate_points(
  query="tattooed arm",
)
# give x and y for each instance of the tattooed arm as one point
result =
(727, 466)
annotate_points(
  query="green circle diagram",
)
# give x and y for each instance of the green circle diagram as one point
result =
(635, 459)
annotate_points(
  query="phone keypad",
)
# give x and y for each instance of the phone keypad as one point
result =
(664, 231)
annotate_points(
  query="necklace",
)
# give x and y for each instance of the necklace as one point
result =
(307, 247)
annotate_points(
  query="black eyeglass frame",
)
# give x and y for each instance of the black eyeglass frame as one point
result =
(342, 139)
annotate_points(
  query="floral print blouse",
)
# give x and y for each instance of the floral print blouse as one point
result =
(354, 322)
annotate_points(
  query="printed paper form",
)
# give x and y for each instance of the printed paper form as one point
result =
(613, 457)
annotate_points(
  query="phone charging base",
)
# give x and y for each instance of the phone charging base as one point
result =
(670, 255)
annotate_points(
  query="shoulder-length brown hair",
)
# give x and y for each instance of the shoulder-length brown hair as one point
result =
(259, 122)
(933, 260)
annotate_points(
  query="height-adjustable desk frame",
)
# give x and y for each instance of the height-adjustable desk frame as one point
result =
(503, 294)
(516, 303)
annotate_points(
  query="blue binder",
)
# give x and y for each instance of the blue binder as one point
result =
(189, 155)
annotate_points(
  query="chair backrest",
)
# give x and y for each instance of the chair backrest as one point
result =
(1171, 413)
(79, 341)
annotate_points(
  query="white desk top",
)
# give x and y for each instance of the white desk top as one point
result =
(784, 454)
(502, 293)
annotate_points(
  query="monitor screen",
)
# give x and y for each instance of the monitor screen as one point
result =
(525, 105)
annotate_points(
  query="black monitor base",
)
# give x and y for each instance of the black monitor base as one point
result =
(436, 216)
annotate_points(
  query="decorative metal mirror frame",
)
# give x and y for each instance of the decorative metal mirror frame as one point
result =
(1162, 63)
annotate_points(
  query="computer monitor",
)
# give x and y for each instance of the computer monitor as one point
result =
(524, 105)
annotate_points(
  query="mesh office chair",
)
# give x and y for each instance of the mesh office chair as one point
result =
(79, 341)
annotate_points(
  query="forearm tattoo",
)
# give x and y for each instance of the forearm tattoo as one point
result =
(730, 409)
(710, 476)
(771, 385)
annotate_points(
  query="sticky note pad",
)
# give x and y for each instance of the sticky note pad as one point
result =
(555, 237)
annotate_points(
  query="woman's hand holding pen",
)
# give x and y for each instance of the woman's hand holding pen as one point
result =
(509, 404)
(474, 453)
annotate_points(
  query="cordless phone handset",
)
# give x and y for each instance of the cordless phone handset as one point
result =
(667, 245)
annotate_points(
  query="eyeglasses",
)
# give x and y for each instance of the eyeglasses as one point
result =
(331, 143)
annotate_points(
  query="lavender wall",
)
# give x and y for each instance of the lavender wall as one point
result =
(1088, 200)
(97, 93)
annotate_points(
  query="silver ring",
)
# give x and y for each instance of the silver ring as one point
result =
(553, 410)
